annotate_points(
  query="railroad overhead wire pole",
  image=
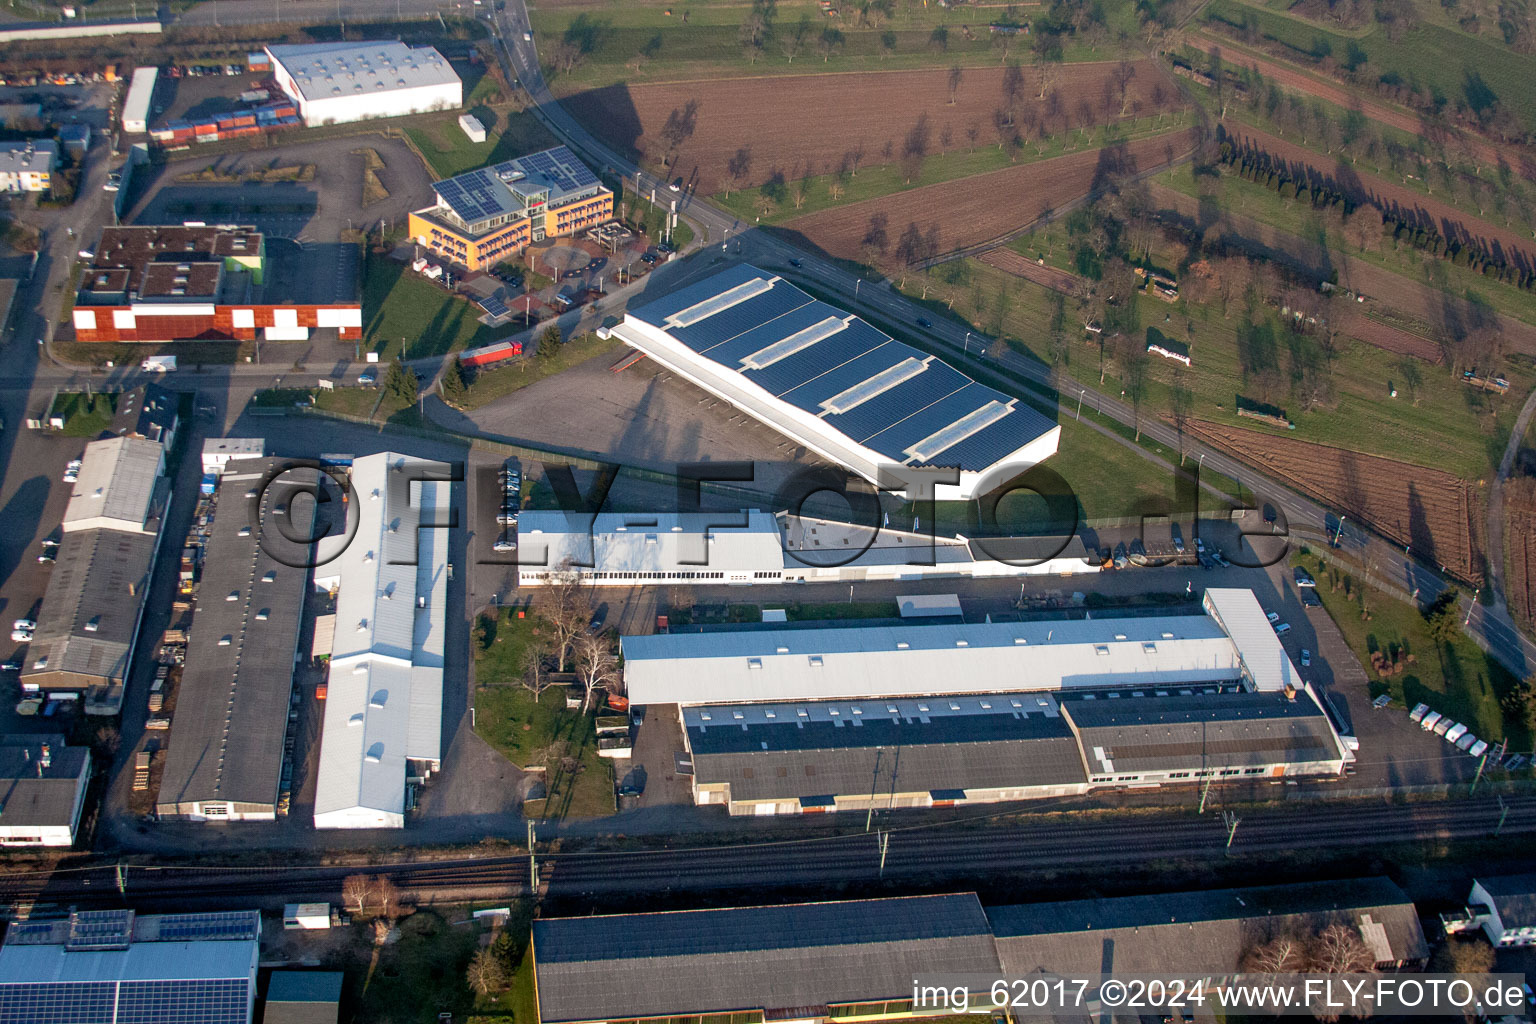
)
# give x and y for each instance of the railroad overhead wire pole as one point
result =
(885, 846)
(1231, 821)
(533, 865)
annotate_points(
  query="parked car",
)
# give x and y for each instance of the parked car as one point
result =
(598, 617)
(1273, 617)
(1306, 658)
(504, 543)
(505, 518)
(1310, 599)
(22, 630)
(366, 378)
(648, 258)
(13, 664)
(1304, 578)
(1282, 629)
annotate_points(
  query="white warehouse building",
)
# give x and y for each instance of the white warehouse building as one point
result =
(837, 385)
(760, 666)
(751, 547)
(336, 83)
(383, 712)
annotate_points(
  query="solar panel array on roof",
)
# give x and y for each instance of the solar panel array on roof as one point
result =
(494, 306)
(100, 929)
(224, 926)
(907, 406)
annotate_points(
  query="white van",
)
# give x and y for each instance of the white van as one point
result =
(1455, 733)
(1429, 721)
(1418, 712)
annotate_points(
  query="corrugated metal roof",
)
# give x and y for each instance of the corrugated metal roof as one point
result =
(1201, 731)
(813, 954)
(91, 606)
(1241, 615)
(1192, 934)
(117, 483)
(384, 700)
(759, 329)
(232, 707)
(30, 795)
(1514, 897)
(319, 67)
(789, 751)
(917, 660)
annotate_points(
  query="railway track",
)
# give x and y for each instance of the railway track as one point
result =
(958, 852)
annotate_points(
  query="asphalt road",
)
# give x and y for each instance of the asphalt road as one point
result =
(1490, 627)
(950, 853)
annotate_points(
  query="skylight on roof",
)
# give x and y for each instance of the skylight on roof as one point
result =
(719, 303)
(966, 426)
(874, 386)
(797, 342)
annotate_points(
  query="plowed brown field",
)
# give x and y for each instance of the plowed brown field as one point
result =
(790, 122)
(971, 210)
(1010, 262)
(1437, 514)
(1520, 540)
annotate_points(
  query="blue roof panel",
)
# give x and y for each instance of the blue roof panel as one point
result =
(733, 350)
(932, 418)
(655, 312)
(740, 318)
(998, 441)
(835, 380)
(905, 401)
(792, 371)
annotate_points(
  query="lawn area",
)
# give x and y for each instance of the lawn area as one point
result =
(499, 381)
(1457, 680)
(412, 316)
(1452, 65)
(540, 731)
(644, 41)
(832, 610)
(508, 133)
(419, 976)
(84, 415)
(1437, 421)
(1238, 197)
(876, 179)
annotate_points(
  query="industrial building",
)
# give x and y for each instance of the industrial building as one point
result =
(1503, 907)
(204, 282)
(383, 712)
(92, 608)
(816, 963)
(336, 83)
(752, 547)
(137, 104)
(837, 385)
(150, 412)
(219, 452)
(303, 997)
(824, 756)
(488, 215)
(855, 662)
(1204, 934)
(42, 790)
(802, 962)
(118, 967)
(27, 166)
(226, 746)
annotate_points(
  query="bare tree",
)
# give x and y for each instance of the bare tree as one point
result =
(1284, 954)
(536, 653)
(914, 148)
(597, 665)
(1339, 949)
(739, 167)
(955, 77)
(487, 972)
(794, 39)
(356, 892)
(568, 607)
(1124, 72)
(387, 895)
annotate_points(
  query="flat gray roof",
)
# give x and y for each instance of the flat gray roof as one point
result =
(30, 795)
(1194, 934)
(91, 607)
(232, 707)
(772, 958)
(118, 479)
(325, 70)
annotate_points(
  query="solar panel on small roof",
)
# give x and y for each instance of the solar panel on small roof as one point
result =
(494, 306)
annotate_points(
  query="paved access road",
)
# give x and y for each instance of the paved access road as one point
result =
(1491, 627)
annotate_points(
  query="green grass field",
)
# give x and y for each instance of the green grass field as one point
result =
(538, 731)
(84, 415)
(412, 316)
(1243, 198)
(448, 150)
(1454, 66)
(498, 382)
(1443, 424)
(1458, 679)
(640, 42)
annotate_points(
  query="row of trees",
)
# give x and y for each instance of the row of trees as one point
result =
(1322, 191)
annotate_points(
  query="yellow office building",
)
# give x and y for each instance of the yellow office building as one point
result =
(488, 215)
